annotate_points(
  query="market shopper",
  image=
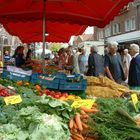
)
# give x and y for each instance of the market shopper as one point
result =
(69, 64)
(126, 62)
(95, 62)
(83, 61)
(75, 60)
(134, 70)
(113, 64)
(63, 58)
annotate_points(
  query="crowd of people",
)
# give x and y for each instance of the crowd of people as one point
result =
(123, 69)
(119, 68)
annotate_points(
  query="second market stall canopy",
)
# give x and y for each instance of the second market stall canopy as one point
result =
(32, 31)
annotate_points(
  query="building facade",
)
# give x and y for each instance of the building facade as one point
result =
(125, 28)
(7, 41)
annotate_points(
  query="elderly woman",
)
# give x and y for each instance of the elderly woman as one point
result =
(134, 70)
(113, 64)
(83, 61)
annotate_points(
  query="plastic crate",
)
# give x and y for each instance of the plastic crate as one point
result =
(135, 88)
(15, 76)
(60, 75)
(51, 84)
(74, 77)
(64, 85)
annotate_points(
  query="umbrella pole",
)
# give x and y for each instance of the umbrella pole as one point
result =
(44, 37)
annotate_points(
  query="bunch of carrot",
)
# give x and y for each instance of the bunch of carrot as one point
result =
(78, 124)
(137, 119)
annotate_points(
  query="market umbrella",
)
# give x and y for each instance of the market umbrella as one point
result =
(32, 31)
(85, 12)
(88, 12)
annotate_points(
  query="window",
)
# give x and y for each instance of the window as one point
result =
(116, 28)
(133, 23)
(130, 24)
(100, 35)
(5, 41)
(107, 31)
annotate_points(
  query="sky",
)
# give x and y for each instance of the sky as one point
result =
(89, 30)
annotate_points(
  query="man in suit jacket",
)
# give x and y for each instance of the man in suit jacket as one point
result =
(134, 70)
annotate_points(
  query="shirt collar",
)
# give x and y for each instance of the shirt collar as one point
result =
(135, 55)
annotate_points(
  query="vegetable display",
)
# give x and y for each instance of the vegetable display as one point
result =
(41, 116)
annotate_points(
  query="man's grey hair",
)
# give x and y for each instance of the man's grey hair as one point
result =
(135, 47)
(95, 48)
(113, 44)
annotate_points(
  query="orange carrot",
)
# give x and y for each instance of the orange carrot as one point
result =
(84, 116)
(88, 110)
(75, 125)
(84, 120)
(88, 138)
(84, 125)
(71, 123)
(82, 112)
(94, 105)
(138, 123)
(77, 136)
(75, 130)
(78, 121)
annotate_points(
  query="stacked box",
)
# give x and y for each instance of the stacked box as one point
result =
(15, 76)
(50, 84)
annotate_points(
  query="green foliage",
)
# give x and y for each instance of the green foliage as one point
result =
(55, 47)
(113, 122)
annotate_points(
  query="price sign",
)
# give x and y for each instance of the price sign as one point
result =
(86, 103)
(12, 99)
(135, 100)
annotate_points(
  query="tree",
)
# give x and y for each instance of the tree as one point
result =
(54, 47)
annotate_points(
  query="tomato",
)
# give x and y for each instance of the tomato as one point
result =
(47, 92)
(56, 96)
(19, 83)
(40, 94)
(37, 87)
(65, 94)
(52, 92)
(59, 93)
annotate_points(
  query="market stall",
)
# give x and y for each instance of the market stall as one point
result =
(39, 107)
(39, 111)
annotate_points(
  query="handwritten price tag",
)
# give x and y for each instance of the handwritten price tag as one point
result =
(86, 103)
(12, 99)
(135, 100)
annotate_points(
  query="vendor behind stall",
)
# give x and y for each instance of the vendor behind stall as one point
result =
(29, 62)
(19, 57)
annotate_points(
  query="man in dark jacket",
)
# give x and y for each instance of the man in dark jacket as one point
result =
(95, 63)
(113, 64)
(134, 70)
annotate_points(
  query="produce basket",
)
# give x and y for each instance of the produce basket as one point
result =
(65, 85)
(135, 88)
(45, 80)
(15, 75)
